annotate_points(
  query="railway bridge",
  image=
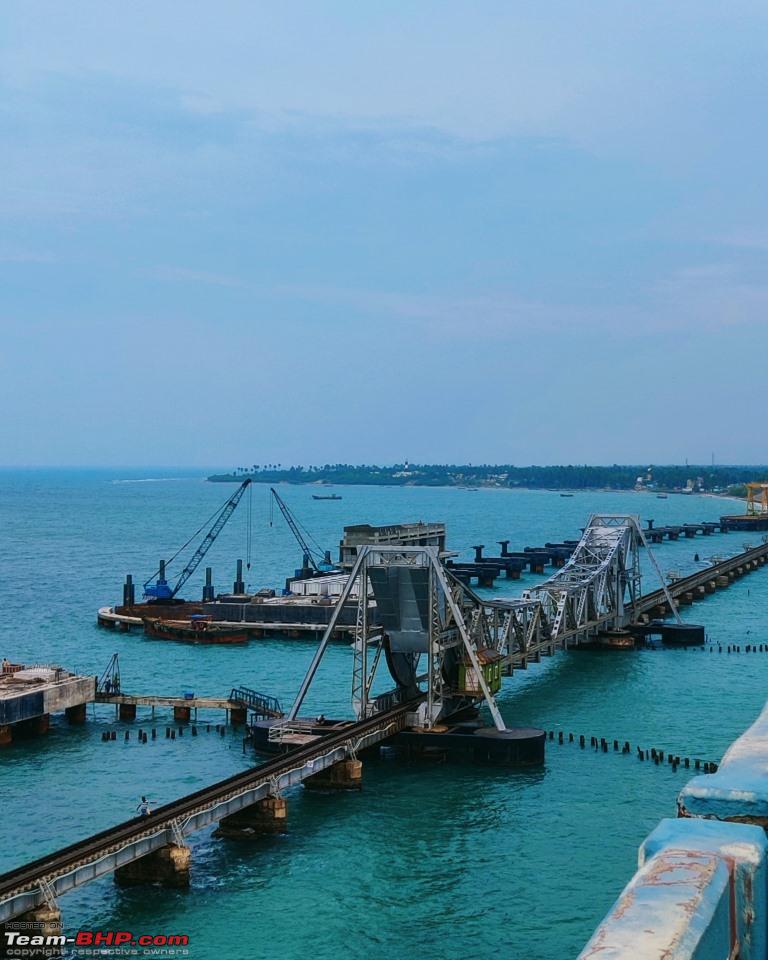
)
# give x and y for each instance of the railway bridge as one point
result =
(152, 849)
(444, 646)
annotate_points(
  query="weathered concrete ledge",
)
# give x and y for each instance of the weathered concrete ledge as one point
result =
(739, 789)
(699, 893)
(701, 890)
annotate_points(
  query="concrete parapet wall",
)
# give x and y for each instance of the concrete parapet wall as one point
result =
(739, 789)
(699, 894)
(701, 890)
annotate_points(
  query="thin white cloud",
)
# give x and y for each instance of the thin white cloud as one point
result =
(746, 238)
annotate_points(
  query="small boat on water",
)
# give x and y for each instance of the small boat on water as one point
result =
(661, 496)
(566, 494)
(200, 628)
(329, 496)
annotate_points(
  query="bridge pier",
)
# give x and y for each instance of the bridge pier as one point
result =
(75, 715)
(238, 716)
(266, 816)
(182, 714)
(34, 726)
(169, 866)
(344, 775)
(127, 711)
(6, 735)
(42, 921)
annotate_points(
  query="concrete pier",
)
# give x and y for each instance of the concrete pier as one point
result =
(181, 714)
(35, 726)
(268, 816)
(76, 715)
(169, 866)
(29, 695)
(127, 711)
(238, 716)
(345, 775)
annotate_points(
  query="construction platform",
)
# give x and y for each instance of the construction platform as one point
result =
(30, 694)
(297, 616)
(467, 740)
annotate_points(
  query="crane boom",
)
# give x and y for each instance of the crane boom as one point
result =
(160, 589)
(291, 521)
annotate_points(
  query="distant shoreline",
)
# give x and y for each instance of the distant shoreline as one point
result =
(720, 481)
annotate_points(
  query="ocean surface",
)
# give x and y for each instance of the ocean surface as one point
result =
(427, 861)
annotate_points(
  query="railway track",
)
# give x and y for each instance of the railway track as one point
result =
(187, 814)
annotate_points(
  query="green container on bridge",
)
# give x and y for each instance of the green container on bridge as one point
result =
(490, 664)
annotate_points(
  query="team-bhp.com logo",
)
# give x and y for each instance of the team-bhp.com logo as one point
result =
(23, 943)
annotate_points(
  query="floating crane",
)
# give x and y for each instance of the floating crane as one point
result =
(315, 558)
(157, 587)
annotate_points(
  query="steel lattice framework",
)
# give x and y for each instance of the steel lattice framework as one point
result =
(424, 613)
(419, 615)
(595, 590)
(599, 581)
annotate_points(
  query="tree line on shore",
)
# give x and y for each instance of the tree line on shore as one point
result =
(719, 478)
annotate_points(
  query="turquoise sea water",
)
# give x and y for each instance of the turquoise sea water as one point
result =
(428, 861)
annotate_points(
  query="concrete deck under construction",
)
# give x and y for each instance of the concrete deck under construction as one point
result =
(29, 695)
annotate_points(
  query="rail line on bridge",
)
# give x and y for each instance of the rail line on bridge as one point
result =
(597, 590)
(34, 883)
(422, 610)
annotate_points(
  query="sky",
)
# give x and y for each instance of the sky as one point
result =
(517, 232)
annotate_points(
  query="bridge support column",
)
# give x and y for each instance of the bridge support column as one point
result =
(344, 775)
(75, 715)
(127, 711)
(267, 816)
(168, 866)
(182, 714)
(42, 921)
(6, 735)
(238, 716)
(35, 726)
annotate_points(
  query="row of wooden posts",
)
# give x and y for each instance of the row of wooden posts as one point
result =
(170, 733)
(656, 756)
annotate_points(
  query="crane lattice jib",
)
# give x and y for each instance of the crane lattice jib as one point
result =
(300, 539)
(226, 512)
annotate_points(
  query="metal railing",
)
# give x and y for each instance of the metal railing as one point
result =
(260, 704)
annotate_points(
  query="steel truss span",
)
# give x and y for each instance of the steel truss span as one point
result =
(598, 589)
(438, 637)
(419, 630)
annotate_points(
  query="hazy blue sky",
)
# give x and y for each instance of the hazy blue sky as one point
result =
(362, 231)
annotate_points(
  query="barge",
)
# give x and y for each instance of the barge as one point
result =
(199, 628)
